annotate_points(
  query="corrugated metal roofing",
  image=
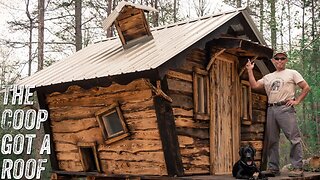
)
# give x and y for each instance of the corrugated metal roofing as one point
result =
(108, 58)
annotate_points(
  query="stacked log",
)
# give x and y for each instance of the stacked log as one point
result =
(73, 121)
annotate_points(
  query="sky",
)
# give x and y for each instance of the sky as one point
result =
(213, 7)
(4, 14)
(7, 8)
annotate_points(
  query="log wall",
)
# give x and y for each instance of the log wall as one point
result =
(73, 120)
(254, 133)
(193, 135)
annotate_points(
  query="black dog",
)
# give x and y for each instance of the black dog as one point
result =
(245, 167)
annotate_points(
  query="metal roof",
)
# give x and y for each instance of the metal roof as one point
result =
(108, 58)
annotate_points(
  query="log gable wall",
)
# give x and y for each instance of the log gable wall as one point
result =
(73, 120)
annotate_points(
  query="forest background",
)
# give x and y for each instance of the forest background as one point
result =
(36, 33)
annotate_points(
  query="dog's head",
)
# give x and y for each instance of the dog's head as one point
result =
(247, 154)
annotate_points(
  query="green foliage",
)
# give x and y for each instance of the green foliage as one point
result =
(284, 150)
(306, 61)
(309, 131)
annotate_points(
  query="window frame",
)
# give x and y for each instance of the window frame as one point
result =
(246, 103)
(105, 112)
(82, 145)
(203, 114)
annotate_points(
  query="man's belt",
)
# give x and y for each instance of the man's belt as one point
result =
(281, 103)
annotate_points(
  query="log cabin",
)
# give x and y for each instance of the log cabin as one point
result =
(167, 101)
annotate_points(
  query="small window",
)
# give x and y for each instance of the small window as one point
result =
(89, 158)
(112, 123)
(246, 103)
(201, 94)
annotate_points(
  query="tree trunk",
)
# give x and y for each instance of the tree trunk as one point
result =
(289, 25)
(155, 15)
(109, 31)
(78, 23)
(30, 37)
(317, 5)
(281, 25)
(201, 7)
(261, 16)
(174, 10)
(114, 4)
(273, 24)
(303, 54)
(40, 33)
(238, 3)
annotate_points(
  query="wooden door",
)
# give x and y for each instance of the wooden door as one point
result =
(224, 118)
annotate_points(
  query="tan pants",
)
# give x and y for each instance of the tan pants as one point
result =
(284, 118)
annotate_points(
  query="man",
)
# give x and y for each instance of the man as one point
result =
(280, 87)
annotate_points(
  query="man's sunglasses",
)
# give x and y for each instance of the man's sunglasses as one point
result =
(282, 59)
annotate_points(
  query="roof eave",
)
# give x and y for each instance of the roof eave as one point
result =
(123, 79)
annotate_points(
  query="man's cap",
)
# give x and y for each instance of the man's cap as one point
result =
(282, 52)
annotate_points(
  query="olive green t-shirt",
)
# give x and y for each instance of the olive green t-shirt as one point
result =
(280, 86)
